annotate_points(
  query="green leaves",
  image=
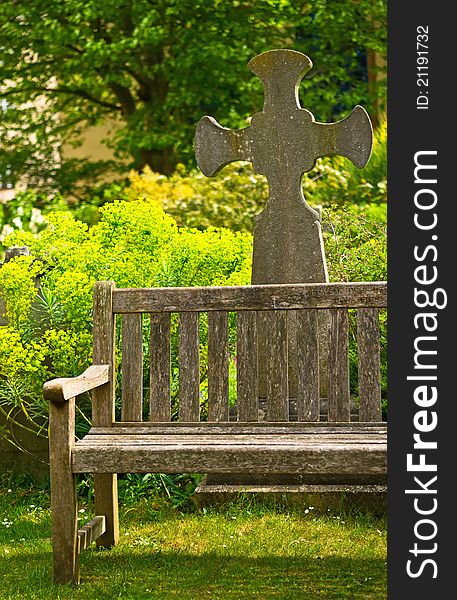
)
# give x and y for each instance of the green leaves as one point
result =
(18, 287)
(136, 244)
(152, 69)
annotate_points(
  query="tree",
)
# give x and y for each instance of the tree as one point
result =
(152, 68)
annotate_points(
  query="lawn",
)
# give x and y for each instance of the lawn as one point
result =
(242, 550)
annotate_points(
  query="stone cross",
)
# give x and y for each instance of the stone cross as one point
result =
(282, 142)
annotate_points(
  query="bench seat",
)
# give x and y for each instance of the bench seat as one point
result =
(295, 448)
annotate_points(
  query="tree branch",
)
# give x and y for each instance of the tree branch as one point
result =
(125, 98)
(146, 84)
(86, 95)
(74, 48)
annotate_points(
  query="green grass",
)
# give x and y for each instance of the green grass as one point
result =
(244, 550)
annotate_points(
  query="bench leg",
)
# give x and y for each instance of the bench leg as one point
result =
(106, 503)
(63, 492)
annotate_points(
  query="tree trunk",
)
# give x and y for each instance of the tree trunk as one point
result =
(162, 161)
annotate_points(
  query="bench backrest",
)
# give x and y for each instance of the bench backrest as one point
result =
(240, 304)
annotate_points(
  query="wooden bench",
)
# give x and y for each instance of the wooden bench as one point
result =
(277, 446)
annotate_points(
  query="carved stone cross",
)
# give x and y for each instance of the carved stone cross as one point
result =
(282, 142)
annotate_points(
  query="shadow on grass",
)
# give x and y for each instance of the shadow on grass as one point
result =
(142, 573)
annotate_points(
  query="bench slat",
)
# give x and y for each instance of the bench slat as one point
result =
(276, 358)
(236, 427)
(308, 404)
(91, 532)
(369, 364)
(132, 367)
(247, 379)
(189, 367)
(103, 407)
(272, 439)
(103, 351)
(254, 297)
(219, 456)
(338, 367)
(159, 381)
(218, 366)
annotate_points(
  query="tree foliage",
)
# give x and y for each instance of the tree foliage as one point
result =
(152, 68)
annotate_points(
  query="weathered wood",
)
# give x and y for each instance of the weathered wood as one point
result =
(191, 454)
(103, 351)
(308, 403)
(277, 369)
(64, 388)
(262, 321)
(103, 411)
(338, 367)
(132, 367)
(159, 386)
(369, 364)
(91, 532)
(254, 297)
(189, 367)
(106, 504)
(247, 379)
(208, 441)
(63, 492)
(236, 427)
(218, 366)
(339, 460)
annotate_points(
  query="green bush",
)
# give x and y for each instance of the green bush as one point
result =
(231, 199)
(336, 180)
(355, 239)
(136, 244)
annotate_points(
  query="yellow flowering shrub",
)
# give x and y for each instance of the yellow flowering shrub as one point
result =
(136, 244)
(17, 283)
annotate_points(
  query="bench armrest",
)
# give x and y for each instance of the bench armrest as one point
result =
(64, 388)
